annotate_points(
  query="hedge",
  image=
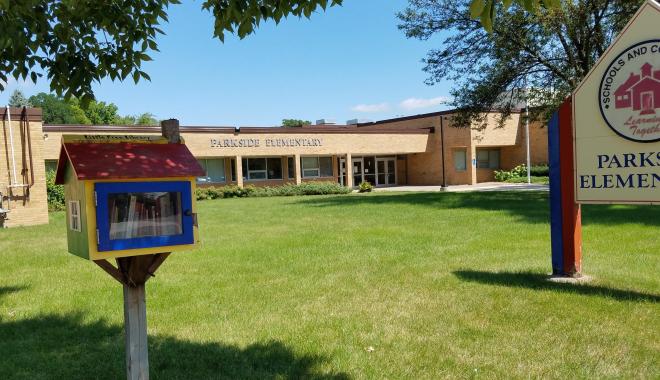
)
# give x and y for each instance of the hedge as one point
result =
(308, 188)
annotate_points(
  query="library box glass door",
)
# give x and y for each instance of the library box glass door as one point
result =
(132, 215)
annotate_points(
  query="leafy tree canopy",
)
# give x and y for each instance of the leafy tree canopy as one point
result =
(547, 52)
(17, 99)
(291, 123)
(58, 110)
(76, 43)
(485, 10)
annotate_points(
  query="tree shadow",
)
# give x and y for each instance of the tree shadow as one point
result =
(537, 281)
(68, 347)
(11, 289)
(529, 206)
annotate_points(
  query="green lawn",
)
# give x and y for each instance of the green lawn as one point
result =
(384, 285)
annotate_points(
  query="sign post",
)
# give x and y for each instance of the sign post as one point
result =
(604, 141)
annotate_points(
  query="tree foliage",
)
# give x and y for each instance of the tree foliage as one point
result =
(17, 99)
(292, 123)
(485, 10)
(59, 110)
(548, 51)
(77, 43)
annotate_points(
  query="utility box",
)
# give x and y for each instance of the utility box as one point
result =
(128, 195)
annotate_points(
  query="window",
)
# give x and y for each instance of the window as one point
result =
(291, 163)
(326, 166)
(215, 170)
(488, 158)
(274, 165)
(74, 216)
(460, 160)
(314, 167)
(260, 168)
(232, 163)
(310, 167)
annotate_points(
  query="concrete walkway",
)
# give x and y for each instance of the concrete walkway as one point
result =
(486, 186)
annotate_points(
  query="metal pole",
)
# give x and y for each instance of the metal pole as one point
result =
(529, 168)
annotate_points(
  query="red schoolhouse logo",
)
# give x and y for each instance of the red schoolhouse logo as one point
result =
(629, 94)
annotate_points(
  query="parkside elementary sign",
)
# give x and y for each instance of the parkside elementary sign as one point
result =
(616, 116)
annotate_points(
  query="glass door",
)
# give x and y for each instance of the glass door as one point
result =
(342, 171)
(386, 175)
(357, 171)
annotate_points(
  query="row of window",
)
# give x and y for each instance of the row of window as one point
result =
(264, 168)
(486, 159)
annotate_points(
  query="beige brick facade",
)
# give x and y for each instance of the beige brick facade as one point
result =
(424, 150)
(22, 172)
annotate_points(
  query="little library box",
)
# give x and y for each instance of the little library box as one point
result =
(128, 195)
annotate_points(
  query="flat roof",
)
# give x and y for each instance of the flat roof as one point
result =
(334, 129)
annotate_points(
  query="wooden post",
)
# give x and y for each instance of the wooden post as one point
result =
(134, 273)
(135, 324)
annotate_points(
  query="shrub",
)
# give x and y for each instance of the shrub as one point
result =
(365, 187)
(520, 171)
(540, 170)
(54, 193)
(308, 188)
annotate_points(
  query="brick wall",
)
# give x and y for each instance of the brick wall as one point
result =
(24, 195)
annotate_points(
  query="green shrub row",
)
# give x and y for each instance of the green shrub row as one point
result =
(520, 171)
(54, 193)
(308, 188)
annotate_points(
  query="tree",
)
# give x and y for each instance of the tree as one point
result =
(292, 123)
(548, 52)
(485, 10)
(101, 113)
(76, 43)
(17, 99)
(57, 110)
(143, 119)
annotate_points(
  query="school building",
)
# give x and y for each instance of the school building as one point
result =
(424, 149)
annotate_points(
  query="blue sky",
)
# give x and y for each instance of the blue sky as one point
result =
(349, 62)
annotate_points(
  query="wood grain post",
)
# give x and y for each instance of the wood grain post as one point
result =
(135, 324)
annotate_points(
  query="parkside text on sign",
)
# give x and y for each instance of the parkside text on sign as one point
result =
(616, 118)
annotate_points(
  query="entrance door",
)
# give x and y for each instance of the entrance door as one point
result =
(386, 172)
(357, 171)
(647, 103)
(342, 171)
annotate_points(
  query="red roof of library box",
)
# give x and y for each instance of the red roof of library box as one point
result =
(93, 161)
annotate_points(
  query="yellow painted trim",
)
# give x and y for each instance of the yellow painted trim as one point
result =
(111, 139)
(94, 254)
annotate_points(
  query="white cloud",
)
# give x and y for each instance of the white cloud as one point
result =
(414, 103)
(382, 107)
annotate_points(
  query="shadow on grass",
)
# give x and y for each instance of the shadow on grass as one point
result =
(538, 281)
(67, 347)
(10, 289)
(530, 206)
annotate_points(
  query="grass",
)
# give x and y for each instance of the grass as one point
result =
(534, 179)
(381, 285)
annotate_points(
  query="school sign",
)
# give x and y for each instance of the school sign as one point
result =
(616, 118)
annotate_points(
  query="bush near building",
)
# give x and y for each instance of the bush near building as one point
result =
(310, 188)
(55, 193)
(539, 173)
